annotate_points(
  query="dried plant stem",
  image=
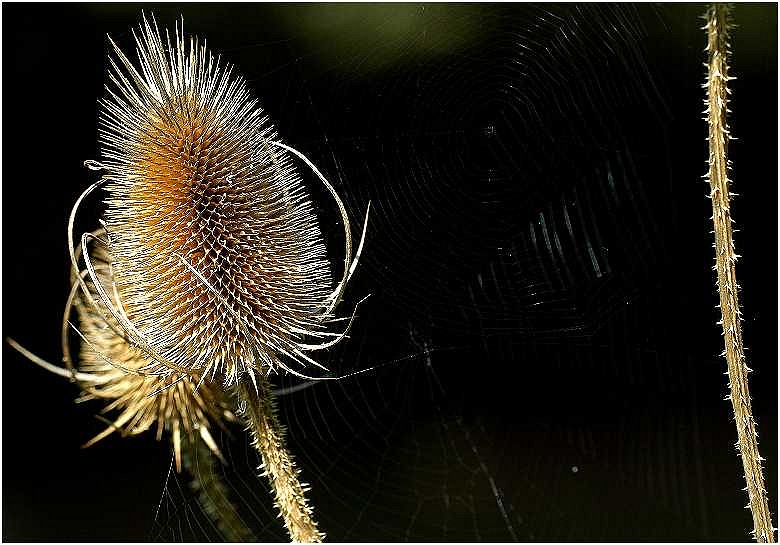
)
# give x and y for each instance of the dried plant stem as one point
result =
(278, 464)
(717, 28)
(212, 493)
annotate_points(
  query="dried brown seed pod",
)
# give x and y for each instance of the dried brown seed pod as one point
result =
(111, 370)
(144, 401)
(214, 243)
(210, 269)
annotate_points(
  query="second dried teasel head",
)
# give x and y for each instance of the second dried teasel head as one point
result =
(111, 371)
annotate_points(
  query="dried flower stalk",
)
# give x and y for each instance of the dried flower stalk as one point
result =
(212, 492)
(717, 28)
(278, 464)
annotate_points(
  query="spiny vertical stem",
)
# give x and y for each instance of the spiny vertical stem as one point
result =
(717, 28)
(212, 493)
(278, 464)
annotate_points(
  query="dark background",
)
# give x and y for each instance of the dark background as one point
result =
(539, 256)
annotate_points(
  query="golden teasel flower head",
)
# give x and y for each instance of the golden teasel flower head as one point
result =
(214, 244)
(116, 373)
(209, 264)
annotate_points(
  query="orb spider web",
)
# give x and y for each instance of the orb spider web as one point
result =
(541, 325)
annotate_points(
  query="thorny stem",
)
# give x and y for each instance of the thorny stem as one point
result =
(278, 464)
(212, 493)
(717, 28)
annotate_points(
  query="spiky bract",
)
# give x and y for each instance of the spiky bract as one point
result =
(214, 244)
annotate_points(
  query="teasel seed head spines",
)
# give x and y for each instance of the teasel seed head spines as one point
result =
(215, 245)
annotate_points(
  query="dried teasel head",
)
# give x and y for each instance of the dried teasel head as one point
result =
(214, 244)
(113, 371)
(209, 264)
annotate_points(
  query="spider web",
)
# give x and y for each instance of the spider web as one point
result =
(540, 333)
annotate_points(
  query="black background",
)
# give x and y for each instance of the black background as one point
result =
(541, 370)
